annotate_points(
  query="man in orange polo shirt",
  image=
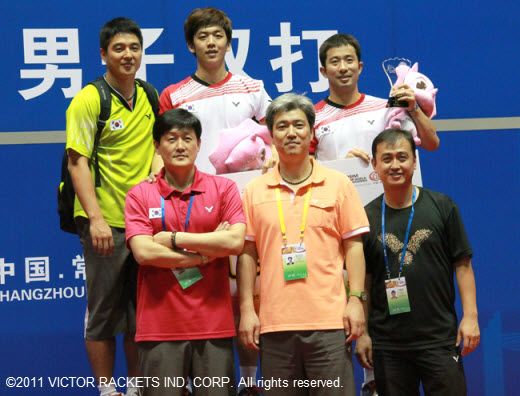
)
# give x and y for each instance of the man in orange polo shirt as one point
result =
(303, 222)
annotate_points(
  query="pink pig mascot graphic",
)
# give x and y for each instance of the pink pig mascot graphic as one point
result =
(242, 148)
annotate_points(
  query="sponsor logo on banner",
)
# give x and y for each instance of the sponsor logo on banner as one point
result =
(373, 176)
(357, 179)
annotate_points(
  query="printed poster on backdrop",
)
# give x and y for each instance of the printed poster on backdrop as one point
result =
(363, 176)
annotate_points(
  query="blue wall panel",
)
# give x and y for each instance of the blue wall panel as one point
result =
(469, 49)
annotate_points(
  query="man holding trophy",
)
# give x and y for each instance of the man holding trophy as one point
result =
(347, 121)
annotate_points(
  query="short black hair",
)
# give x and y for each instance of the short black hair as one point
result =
(203, 17)
(116, 26)
(391, 136)
(176, 118)
(338, 40)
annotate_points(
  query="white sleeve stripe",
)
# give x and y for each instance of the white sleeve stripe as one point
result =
(356, 232)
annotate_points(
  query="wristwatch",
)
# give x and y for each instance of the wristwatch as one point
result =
(359, 294)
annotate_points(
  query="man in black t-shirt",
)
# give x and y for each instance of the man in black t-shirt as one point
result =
(413, 338)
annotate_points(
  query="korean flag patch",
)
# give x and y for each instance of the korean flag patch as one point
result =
(190, 107)
(116, 125)
(154, 213)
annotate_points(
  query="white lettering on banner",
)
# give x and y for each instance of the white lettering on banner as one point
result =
(4, 295)
(36, 269)
(287, 58)
(6, 269)
(42, 294)
(149, 37)
(57, 294)
(320, 36)
(79, 263)
(237, 61)
(50, 47)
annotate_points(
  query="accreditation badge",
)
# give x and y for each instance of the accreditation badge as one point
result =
(397, 295)
(187, 276)
(294, 259)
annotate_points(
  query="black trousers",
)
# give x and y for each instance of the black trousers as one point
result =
(400, 373)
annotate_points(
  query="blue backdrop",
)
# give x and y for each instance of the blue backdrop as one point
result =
(50, 49)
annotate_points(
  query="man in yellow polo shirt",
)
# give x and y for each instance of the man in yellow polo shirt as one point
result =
(303, 222)
(125, 152)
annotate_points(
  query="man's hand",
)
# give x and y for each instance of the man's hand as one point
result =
(151, 178)
(268, 164)
(224, 226)
(358, 153)
(101, 234)
(404, 92)
(354, 319)
(249, 330)
(364, 351)
(272, 161)
(163, 238)
(469, 334)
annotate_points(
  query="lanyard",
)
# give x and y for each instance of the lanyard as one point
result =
(188, 214)
(304, 215)
(406, 236)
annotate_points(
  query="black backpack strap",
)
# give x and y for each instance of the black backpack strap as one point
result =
(152, 95)
(105, 99)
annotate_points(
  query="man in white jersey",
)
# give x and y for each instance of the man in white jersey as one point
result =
(220, 100)
(217, 97)
(347, 121)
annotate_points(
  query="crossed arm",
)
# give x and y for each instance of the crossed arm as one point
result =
(157, 250)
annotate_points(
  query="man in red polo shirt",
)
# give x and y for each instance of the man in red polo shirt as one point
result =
(181, 231)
